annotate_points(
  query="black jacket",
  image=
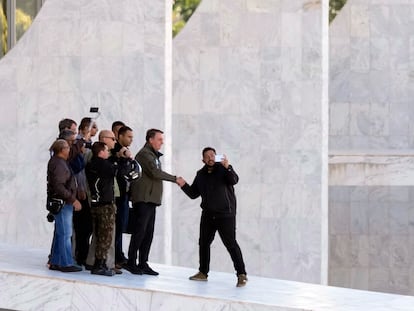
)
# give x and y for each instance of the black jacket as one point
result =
(123, 165)
(216, 190)
(100, 174)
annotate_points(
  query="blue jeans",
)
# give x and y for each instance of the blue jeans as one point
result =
(62, 245)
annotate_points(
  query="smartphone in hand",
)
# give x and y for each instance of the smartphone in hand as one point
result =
(218, 158)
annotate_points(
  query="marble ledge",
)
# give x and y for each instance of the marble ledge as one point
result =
(371, 167)
(371, 153)
(27, 284)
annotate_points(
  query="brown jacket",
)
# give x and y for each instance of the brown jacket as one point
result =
(61, 183)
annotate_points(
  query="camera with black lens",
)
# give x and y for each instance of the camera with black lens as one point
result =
(133, 172)
(88, 144)
(53, 205)
(50, 217)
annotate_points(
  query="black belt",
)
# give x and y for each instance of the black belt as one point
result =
(94, 204)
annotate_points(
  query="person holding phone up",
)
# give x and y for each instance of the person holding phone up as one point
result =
(214, 183)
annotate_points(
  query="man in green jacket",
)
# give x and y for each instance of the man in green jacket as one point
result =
(146, 195)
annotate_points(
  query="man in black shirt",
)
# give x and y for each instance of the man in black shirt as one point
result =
(214, 183)
(124, 156)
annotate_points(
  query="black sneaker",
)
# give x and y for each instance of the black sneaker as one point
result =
(121, 261)
(88, 267)
(147, 270)
(102, 271)
(74, 268)
(132, 268)
(117, 271)
(54, 267)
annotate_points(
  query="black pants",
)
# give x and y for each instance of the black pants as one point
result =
(82, 225)
(141, 237)
(226, 227)
(121, 220)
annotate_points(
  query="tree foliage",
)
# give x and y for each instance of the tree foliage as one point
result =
(3, 29)
(23, 22)
(182, 11)
(334, 7)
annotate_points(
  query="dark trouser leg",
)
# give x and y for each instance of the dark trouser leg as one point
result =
(142, 214)
(121, 221)
(207, 232)
(82, 224)
(145, 247)
(227, 231)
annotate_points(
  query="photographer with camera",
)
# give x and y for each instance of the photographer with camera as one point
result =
(67, 131)
(123, 157)
(100, 173)
(82, 220)
(61, 185)
(108, 138)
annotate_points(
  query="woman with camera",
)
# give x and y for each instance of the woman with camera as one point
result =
(61, 185)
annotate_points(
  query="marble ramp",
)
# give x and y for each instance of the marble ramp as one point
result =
(26, 284)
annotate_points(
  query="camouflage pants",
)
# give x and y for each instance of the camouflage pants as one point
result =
(103, 219)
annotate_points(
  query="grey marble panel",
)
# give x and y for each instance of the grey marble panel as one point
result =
(359, 278)
(359, 257)
(377, 253)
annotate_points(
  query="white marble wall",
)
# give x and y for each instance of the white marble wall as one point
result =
(371, 88)
(77, 54)
(248, 81)
(371, 91)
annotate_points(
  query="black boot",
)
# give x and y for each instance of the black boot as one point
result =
(100, 268)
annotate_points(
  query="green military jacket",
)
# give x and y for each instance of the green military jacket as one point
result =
(148, 188)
